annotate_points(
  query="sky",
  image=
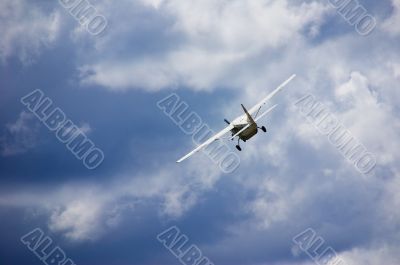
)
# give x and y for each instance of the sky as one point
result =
(215, 55)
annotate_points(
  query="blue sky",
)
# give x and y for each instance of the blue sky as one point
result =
(215, 54)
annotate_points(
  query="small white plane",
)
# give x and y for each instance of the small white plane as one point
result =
(245, 126)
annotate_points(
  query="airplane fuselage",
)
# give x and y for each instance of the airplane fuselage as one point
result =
(246, 134)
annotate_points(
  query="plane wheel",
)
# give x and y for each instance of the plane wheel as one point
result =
(238, 148)
(264, 129)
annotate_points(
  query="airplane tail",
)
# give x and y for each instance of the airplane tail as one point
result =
(249, 118)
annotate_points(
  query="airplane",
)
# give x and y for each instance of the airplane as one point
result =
(245, 126)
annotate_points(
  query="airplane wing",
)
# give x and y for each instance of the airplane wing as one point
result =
(209, 141)
(273, 93)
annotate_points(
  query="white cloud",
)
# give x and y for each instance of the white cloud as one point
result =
(373, 122)
(25, 29)
(391, 25)
(298, 179)
(220, 37)
(293, 172)
(78, 220)
(87, 211)
(85, 128)
(20, 136)
(377, 255)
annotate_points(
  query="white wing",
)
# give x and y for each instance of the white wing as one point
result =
(273, 93)
(209, 141)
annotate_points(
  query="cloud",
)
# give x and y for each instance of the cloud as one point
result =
(384, 254)
(290, 178)
(20, 136)
(26, 29)
(368, 118)
(87, 211)
(391, 24)
(298, 180)
(217, 39)
(78, 220)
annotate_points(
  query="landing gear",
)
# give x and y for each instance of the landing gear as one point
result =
(264, 129)
(238, 146)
